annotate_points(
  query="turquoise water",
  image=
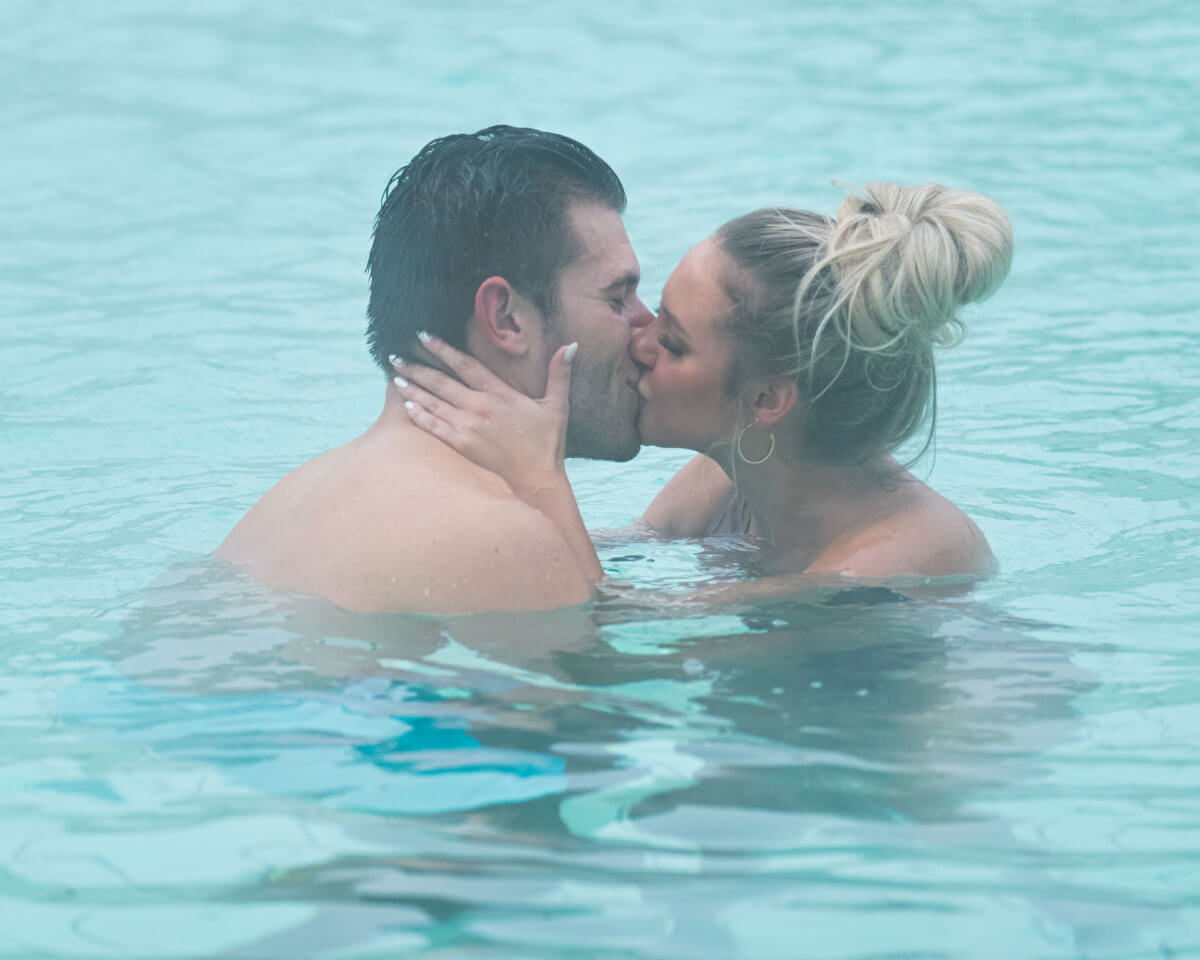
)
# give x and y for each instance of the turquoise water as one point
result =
(191, 767)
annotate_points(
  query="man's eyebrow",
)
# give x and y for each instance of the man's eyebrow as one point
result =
(629, 280)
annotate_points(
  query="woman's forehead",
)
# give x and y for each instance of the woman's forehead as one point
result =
(694, 293)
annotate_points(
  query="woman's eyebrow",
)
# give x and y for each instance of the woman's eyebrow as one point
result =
(672, 321)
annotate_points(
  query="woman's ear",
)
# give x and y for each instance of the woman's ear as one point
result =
(505, 319)
(772, 399)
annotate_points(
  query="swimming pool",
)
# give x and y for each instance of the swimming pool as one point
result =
(192, 767)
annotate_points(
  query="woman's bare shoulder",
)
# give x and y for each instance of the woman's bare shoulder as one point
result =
(931, 537)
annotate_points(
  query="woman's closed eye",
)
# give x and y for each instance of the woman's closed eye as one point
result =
(675, 349)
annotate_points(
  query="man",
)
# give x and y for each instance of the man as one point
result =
(507, 243)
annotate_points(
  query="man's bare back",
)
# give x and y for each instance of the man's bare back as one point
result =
(396, 520)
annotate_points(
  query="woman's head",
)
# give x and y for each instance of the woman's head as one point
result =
(849, 309)
(685, 354)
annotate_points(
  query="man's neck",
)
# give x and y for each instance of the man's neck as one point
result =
(394, 435)
(393, 415)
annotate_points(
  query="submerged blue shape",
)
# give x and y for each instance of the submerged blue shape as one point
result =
(91, 787)
(368, 746)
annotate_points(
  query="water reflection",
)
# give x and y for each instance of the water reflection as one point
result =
(509, 781)
(860, 704)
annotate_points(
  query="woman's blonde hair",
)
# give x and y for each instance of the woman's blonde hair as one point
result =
(852, 307)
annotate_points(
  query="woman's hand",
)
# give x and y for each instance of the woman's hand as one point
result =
(502, 430)
(491, 424)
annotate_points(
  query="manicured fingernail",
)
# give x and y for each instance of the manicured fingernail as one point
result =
(400, 381)
(395, 360)
(570, 354)
(409, 406)
(424, 336)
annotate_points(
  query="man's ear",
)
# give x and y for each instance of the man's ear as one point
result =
(772, 398)
(504, 317)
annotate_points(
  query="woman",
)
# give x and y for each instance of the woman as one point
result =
(794, 352)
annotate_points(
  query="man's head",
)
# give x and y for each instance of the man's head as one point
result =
(522, 224)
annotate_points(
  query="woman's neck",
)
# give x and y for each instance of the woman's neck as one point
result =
(800, 507)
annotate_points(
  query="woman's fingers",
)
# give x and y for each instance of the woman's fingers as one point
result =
(431, 424)
(434, 381)
(558, 380)
(473, 373)
(502, 430)
(461, 420)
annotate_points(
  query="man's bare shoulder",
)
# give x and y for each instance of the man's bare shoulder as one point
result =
(267, 521)
(413, 530)
(493, 552)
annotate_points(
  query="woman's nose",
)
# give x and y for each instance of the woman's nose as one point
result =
(643, 347)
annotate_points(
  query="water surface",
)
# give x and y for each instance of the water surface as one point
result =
(193, 767)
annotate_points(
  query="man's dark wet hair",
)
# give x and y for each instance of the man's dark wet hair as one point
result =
(472, 206)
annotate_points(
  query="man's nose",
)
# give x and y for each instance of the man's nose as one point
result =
(640, 316)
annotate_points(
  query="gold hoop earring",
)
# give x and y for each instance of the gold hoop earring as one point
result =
(746, 459)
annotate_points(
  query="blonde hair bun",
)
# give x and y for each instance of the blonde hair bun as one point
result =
(906, 258)
(852, 308)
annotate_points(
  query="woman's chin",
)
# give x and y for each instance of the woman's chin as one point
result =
(670, 441)
(646, 432)
(657, 435)
(652, 439)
